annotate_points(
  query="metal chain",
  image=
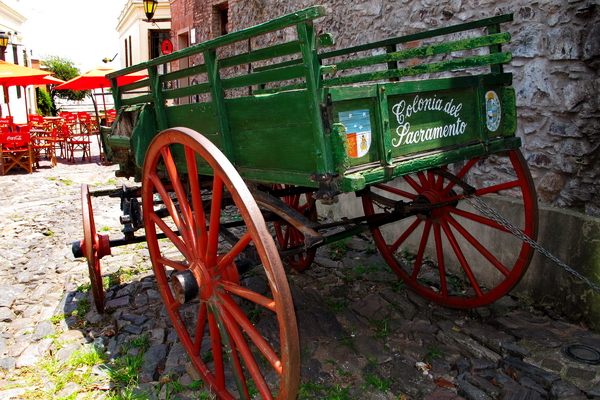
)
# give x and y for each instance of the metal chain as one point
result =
(488, 211)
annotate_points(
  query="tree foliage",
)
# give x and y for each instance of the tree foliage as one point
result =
(45, 105)
(64, 69)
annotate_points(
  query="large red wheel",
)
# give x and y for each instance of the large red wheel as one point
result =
(455, 255)
(288, 237)
(242, 340)
(94, 247)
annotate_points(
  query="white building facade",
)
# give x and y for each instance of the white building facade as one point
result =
(22, 100)
(141, 40)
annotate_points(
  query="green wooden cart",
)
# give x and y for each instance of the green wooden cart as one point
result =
(235, 152)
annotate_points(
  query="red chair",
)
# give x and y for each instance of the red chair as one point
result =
(16, 151)
(37, 123)
(86, 122)
(7, 122)
(44, 145)
(76, 143)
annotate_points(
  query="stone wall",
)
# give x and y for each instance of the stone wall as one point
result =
(556, 49)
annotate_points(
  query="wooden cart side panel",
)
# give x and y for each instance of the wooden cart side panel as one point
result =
(273, 133)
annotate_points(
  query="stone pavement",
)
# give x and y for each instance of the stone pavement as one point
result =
(363, 334)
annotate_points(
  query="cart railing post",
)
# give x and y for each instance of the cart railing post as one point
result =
(218, 99)
(314, 84)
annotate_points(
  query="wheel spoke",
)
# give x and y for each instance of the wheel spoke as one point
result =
(246, 353)
(187, 219)
(197, 203)
(460, 175)
(215, 221)
(440, 259)
(461, 258)
(217, 354)
(200, 325)
(243, 321)
(412, 183)
(489, 256)
(249, 295)
(478, 218)
(172, 263)
(229, 258)
(172, 236)
(404, 235)
(394, 190)
(227, 339)
(421, 252)
(497, 188)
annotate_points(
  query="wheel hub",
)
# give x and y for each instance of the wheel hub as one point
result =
(197, 280)
(429, 197)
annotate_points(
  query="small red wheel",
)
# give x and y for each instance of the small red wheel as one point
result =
(94, 247)
(213, 313)
(465, 273)
(288, 237)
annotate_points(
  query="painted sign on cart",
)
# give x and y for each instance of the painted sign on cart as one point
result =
(434, 120)
(358, 131)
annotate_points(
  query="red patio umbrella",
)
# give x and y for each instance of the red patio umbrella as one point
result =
(96, 79)
(17, 75)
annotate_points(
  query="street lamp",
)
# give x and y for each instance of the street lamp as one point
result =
(150, 8)
(3, 44)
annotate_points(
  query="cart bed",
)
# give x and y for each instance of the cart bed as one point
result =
(292, 113)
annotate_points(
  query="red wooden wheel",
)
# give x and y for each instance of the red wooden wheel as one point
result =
(464, 273)
(94, 247)
(288, 237)
(214, 314)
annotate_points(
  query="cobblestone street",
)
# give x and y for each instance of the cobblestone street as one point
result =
(363, 334)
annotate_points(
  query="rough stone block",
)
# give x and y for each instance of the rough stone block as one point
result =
(514, 366)
(118, 302)
(153, 357)
(470, 392)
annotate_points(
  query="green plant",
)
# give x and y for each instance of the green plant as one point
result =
(347, 341)
(376, 382)
(84, 287)
(45, 105)
(380, 326)
(397, 286)
(339, 249)
(56, 319)
(407, 254)
(434, 351)
(83, 306)
(372, 362)
(336, 305)
(311, 391)
(85, 357)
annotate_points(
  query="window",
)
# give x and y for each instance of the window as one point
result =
(130, 52)
(16, 61)
(221, 19)
(156, 39)
(126, 53)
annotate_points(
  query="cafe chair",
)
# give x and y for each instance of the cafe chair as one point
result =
(16, 151)
(70, 119)
(7, 122)
(86, 122)
(76, 143)
(37, 124)
(44, 145)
